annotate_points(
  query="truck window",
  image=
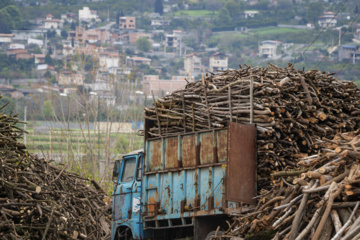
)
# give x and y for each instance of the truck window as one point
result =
(138, 170)
(129, 170)
(116, 170)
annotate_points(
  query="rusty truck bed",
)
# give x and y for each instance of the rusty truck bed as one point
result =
(198, 174)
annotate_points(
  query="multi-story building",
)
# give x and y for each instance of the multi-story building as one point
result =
(173, 40)
(192, 64)
(218, 61)
(127, 23)
(131, 37)
(327, 20)
(268, 48)
(90, 36)
(108, 60)
(88, 15)
(70, 78)
(50, 22)
(348, 51)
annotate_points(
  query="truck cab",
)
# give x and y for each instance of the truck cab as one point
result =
(126, 215)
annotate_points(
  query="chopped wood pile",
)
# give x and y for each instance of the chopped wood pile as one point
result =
(308, 171)
(291, 108)
(39, 200)
(320, 201)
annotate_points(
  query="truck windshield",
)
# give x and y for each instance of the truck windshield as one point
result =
(129, 169)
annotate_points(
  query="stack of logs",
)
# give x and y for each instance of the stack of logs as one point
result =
(39, 200)
(308, 170)
(320, 201)
(291, 108)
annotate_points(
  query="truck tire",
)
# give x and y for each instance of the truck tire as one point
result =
(123, 235)
(211, 235)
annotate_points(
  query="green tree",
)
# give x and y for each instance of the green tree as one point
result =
(223, 17)
(47, 109)
(14, 12)
(314, 11)
(4, 3)
(143, 44)
(49, 60)
(233, 8)
(159, 8)
(117, 18)
(5, 23)
(64, 34)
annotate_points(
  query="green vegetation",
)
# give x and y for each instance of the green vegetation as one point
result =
(195, 13)
(10, 17)
(143, 44)
(55, 141)
(275, 30)
(12, 68)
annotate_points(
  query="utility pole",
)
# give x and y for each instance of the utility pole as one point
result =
(98, 140)
(68, 130)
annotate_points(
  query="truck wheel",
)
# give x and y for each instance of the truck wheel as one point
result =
(211, 235)
(123, 234)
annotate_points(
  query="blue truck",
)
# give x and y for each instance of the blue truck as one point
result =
(184, 185)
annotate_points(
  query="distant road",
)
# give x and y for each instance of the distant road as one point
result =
(108, 26)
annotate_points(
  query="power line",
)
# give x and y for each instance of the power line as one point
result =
(343, 4)
(339, 38)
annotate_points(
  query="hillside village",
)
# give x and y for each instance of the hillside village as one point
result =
(118, 55)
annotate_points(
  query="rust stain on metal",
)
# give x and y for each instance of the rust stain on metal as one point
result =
(206, 149)
(188, 151)
(171, 153)
(155, 155)
(241, 170)
(222, 145)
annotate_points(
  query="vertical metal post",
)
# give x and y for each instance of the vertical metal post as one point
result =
(98, 140)
(25, 112)
(68, 130)
(252, 100)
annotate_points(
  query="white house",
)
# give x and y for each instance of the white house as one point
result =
(51, 23)
(268, 49)
(160, 22)
(327, 20)
(87, 15)
(6, 38)
(218, 61)
(38, 42)
(66, 78)
(108, 60)
(250, 13)
(192, 64)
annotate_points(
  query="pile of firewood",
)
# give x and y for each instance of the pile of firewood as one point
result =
(291, 108)
(320, 201)
(308, 170)
(39, 200)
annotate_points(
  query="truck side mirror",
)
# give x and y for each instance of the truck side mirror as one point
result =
(116, 171)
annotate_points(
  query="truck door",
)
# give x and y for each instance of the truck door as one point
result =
(136, 192)
(123, 194)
